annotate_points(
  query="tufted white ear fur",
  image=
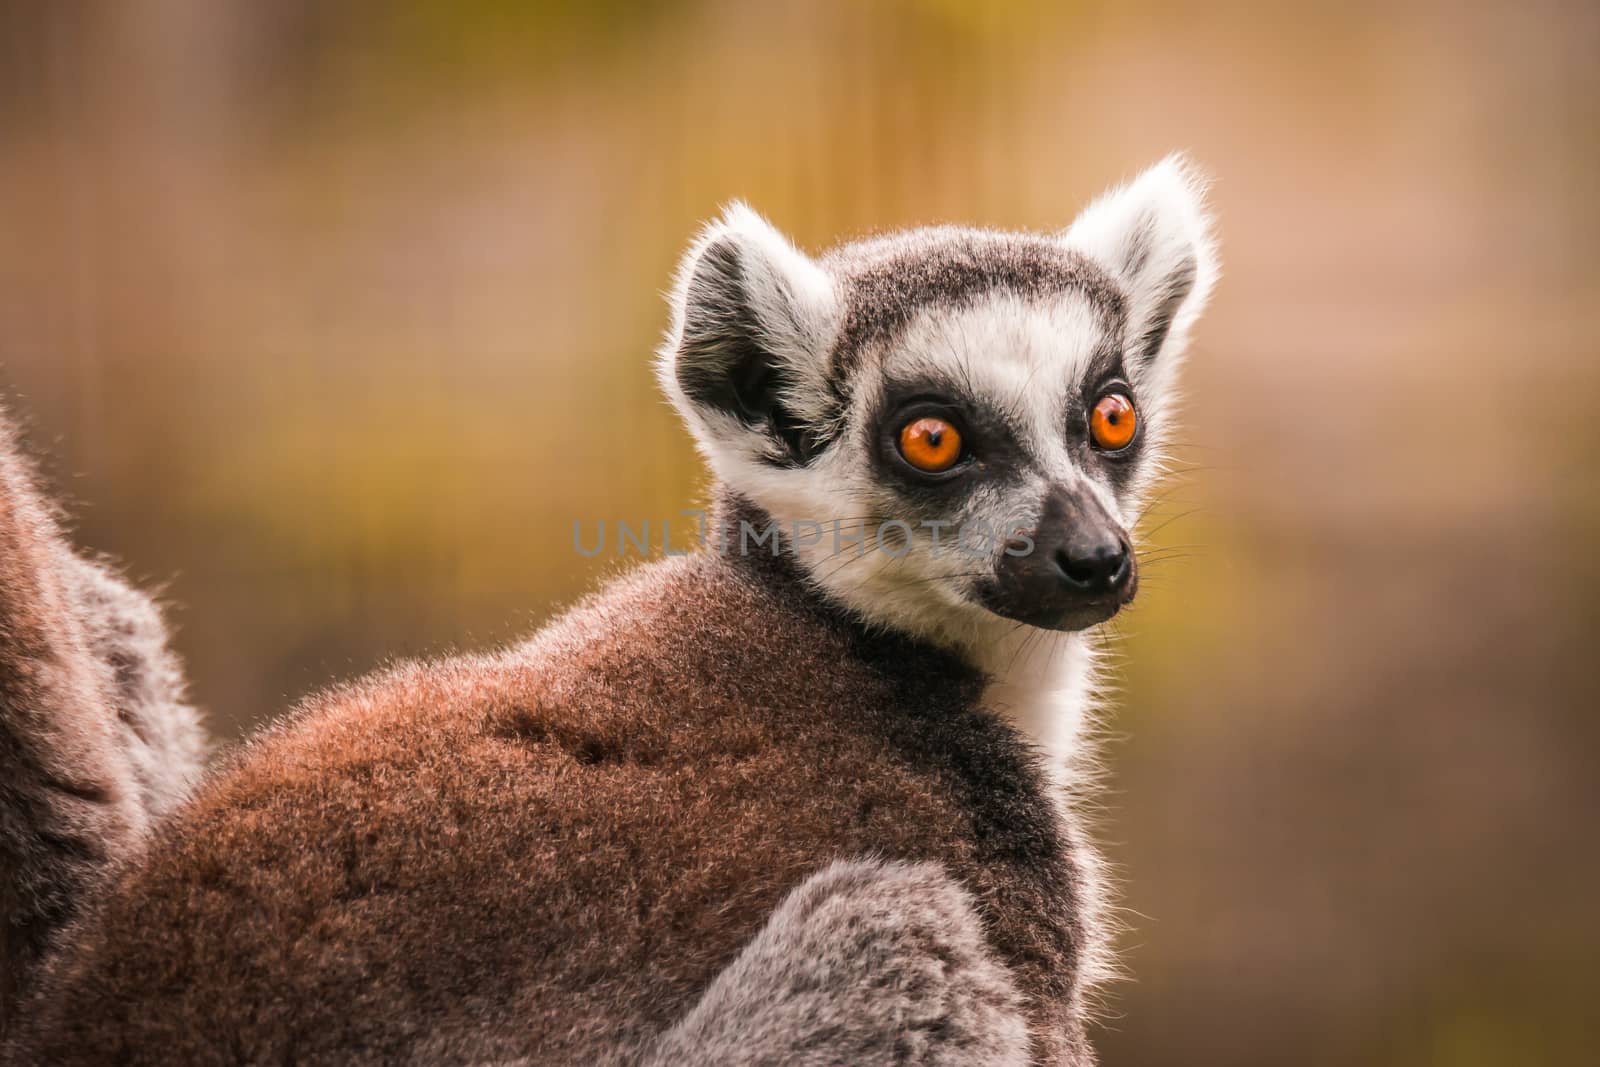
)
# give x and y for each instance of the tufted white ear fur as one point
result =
(745, 359)
(1154, 234)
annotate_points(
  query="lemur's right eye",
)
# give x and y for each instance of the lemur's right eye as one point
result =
(1113, 422)
(930, 444)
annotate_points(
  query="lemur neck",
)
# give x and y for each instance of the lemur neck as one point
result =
(1043, 681)
(1040, 679)
(775, 564)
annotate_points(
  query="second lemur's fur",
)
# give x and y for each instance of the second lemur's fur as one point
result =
(161, 733)
(97, 740)
(803, 796)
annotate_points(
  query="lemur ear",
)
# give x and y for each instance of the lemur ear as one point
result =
(1154, 234)
(752, 319)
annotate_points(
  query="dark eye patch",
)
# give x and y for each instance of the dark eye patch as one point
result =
(1106, 373)
(991, 448)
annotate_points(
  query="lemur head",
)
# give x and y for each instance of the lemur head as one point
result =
(952, 428)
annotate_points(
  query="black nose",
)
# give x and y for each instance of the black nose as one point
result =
(1075, 568)
(1098, 566)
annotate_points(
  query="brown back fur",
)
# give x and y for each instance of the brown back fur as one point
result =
(552, 852)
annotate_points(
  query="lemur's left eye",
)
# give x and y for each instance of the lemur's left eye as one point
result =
(930, 444)
(1113, 422)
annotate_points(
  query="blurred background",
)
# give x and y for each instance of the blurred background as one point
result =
(330, 318)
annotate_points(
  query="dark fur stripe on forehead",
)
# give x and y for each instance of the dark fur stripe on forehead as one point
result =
(888, 281)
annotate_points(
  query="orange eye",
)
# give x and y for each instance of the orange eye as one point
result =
(930, 444)
(1112, 422)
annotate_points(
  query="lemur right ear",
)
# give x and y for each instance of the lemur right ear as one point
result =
(752, 320)
(1154, 234)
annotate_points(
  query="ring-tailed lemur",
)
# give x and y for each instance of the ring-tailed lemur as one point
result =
(806, 802)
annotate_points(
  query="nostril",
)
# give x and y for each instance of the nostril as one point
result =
(1075, 570)
(1105, 566)
(1124, 568)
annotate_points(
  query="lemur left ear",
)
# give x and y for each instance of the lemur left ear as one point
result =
(1154, 234)
(752, 322)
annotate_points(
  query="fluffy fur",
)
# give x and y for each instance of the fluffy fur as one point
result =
(159, 731)
(96, 739)
(864, 963)
(553, 852)
(775, 804)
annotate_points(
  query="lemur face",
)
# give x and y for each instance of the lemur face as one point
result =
(952, 428)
